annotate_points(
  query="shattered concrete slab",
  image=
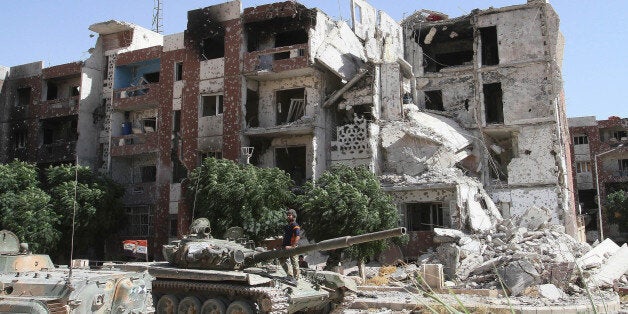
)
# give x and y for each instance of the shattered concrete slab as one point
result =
(598, 254)
(518, 275)
(613, 268)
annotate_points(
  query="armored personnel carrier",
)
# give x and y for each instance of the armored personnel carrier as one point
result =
(30, 283)
(207, 275)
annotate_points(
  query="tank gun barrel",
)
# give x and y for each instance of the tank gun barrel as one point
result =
(326, 245)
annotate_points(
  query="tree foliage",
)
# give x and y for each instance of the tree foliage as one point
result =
(617, 208)
(347, 201)
(41, 214)
(231, 195)
(99, 212)
(25, 208)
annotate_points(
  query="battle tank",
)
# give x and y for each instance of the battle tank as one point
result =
(30, 283)
(207, 275)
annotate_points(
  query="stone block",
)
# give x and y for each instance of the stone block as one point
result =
(442, 235)
(613, 268)
(551, 292)
(597, 254)
(432, 275)
(518, 275)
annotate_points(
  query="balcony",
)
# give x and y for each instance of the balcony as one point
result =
(136, 97)
(140, 193)
(57, 152)
(269, 62)
(59, 107)
(134, 144)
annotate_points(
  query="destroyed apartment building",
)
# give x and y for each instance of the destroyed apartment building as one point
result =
(462, 118)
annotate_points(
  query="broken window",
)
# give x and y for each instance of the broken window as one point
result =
(434, 100)
(149, 124)
(56, 130)
(289, 38)
(424, 216)
(213, 47)
(493, 104)
(212, 105)
(619, 135)
(583, 166)
(176, 121)
(446, 45)
(178, 71)
(290, 105)
(140, 221)
(292, 161)
(19, 139)
(212, 154)
(252, 108)
(148, 173)
(74, 90)
(51, 91)
(623, 167)
(580, 140)
(152, 77)
(23, 97)
(174, 225)
(502, 146)
(488, 35)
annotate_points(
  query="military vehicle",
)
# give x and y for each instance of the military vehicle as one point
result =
(30, 283)
(207, 275)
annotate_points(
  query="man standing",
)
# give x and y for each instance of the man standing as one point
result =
(291, 236)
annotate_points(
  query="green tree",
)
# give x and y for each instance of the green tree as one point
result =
(25, 208)
(617, 208)
(99, 212)
(231, 195)
(347, 201)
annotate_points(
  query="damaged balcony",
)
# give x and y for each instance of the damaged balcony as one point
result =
(446, 44)
(278, 40)
(138, 174)
(136, 85)
(58, 140)
(290, 114)
(61, 90)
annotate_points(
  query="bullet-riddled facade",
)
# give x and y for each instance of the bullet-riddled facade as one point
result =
(462, 119)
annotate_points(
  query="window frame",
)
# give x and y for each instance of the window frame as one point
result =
(218, 105)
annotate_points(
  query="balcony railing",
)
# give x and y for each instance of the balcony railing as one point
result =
(57, 107)
(134, 144)
(135, 97)
(277, 59)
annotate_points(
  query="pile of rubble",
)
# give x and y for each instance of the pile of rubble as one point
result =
(527, 256)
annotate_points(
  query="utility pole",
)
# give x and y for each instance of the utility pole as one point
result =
(157, 17)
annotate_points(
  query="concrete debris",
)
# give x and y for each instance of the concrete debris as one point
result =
(600, 252)
(613, 269)
(549, 291)
(534, 218)
(518, 275)
(442, 235)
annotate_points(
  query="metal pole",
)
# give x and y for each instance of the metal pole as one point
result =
(599, 201)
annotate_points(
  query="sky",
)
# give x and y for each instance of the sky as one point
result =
(594, 65)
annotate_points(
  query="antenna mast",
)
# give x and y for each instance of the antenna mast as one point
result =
(157, 17)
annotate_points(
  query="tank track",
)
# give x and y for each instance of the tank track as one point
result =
(271, 300)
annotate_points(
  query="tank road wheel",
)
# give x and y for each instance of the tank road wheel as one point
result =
(214, 306)
(190, 305)
(240, 307)
(167, 304)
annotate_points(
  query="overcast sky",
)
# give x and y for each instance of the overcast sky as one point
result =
(594, 66)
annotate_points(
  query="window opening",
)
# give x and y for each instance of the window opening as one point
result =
(292, 161)
(358, 13)
(23, 96)
(488, 35)
(290, 105)
(619, 135)
(580, 140)
(20, 139)
(174, 225)
(434, 100)
(74, 91)
(140, 221)
(213, 47)
(148, 173)
(424, 216)
(178, 71)
(583, 166)
(149, 124)
(212, 105)
(493, 103)
(176, 121)
(151, 77)
(289, 38)
(252, 108)
(52, 91)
